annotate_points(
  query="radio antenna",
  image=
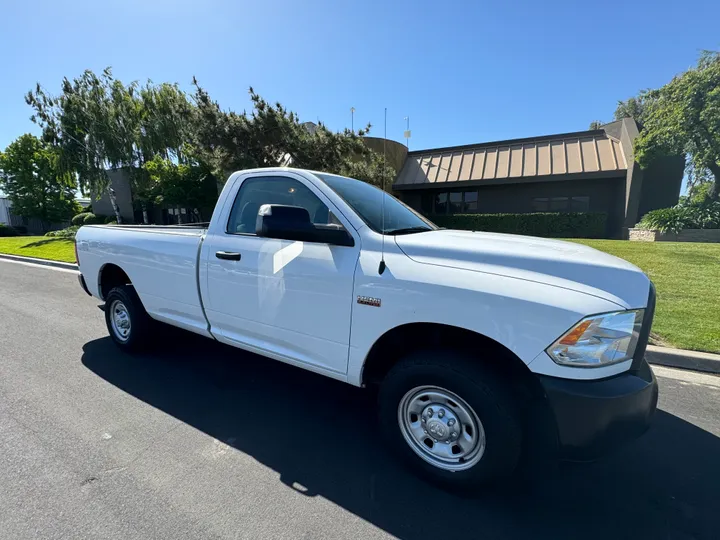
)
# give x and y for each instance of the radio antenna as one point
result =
(381, 268)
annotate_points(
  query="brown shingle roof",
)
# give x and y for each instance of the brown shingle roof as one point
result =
(583, 152)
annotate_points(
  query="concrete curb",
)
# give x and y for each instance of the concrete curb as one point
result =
(678, 358)
(42, 262)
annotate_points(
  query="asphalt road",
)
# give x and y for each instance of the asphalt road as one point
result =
(197, 440)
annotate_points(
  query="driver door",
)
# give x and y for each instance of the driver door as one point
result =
(286, 299)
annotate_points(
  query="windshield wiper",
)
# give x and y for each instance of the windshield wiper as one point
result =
(408, 230)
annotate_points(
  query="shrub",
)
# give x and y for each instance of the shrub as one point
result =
(6, 230)
(93, 219)
(677, 218)
(79, 219)
(20, 229)
(109, 220)
(707, 215)
(551, 225)
(665, 219)
(68, 232)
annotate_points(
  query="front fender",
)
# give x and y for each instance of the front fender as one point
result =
(524, 316)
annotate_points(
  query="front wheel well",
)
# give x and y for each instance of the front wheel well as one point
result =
(402, 340)
(111, 276)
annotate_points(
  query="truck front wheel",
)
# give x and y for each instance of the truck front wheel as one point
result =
(451, 419)
(127, 321)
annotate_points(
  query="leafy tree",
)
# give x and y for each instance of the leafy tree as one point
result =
(97, 122)
(189, 186)
(683, 117)
(166, 140)
(699, 194)
(634, 107)
(595, 124)
(34, 183)
(273, 136)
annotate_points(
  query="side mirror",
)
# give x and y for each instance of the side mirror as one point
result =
(293, 223)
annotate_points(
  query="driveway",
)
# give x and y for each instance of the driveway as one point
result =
(198, 440)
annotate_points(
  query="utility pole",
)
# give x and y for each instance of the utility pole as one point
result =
(352, 119)
(407, 132)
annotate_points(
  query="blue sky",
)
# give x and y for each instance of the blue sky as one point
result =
(464, 72)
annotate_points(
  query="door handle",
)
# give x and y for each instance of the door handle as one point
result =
(228, 256)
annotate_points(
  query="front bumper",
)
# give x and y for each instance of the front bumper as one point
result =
(593, 417)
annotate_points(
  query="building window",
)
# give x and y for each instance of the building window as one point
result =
(456, 198)
(580, 204)
(441, 203)
(558, 204)
(541, 204)
(470, 203)
(455, 202)
(561, 204)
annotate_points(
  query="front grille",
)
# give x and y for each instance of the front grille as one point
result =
(645, 330)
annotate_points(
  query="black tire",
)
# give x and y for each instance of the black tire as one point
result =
(487, 395)
(139, 330)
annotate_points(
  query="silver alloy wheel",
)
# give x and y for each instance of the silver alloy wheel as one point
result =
(120, 320)
(441, 428)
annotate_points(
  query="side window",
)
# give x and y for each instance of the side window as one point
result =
(254, 192)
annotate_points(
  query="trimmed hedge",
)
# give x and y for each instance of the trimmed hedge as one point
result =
(68, 232)
(6, 230)
(88, 218)
(94, 219)
(79, 219)
(547, 224)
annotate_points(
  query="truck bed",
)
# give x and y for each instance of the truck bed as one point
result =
(161, 261)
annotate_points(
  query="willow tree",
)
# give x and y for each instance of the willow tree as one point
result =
(97, 122)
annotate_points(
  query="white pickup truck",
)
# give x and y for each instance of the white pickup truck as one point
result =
(486, 348)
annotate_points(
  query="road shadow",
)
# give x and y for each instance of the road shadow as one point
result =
(324, 438)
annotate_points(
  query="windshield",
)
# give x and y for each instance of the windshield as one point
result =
(367, 201)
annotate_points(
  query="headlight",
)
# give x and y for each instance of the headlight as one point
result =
(599, 340)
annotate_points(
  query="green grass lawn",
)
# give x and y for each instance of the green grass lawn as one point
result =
(687, 279)
(42, 247)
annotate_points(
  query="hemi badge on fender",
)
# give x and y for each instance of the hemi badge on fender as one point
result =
(369, 301)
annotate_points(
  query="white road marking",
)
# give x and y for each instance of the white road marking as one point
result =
(686, 377)
(34, 265)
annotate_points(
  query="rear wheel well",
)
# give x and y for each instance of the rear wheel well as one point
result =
(111, 276)
(402, 340)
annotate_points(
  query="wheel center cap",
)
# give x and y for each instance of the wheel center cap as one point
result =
(437, 429)
(440, 423)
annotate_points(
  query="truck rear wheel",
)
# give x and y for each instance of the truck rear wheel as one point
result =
(127, 321)
(450, 419)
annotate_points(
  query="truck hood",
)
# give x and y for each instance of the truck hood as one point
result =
(561, 264)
